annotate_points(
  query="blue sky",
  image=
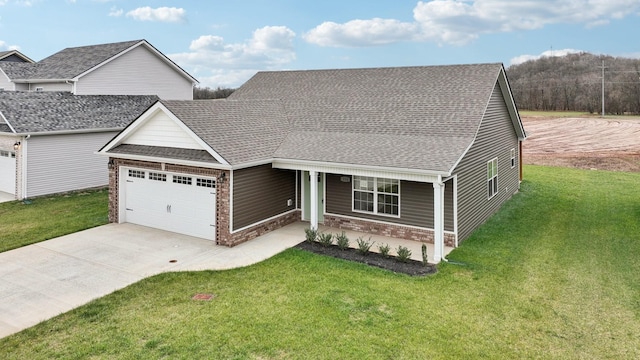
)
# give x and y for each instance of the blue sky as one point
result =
(223, 43)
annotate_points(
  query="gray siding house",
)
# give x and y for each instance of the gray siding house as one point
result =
(48, 139)
(14, 56)
(124, 68)
(422, 153)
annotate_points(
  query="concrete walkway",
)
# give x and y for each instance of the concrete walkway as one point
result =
(40, 281)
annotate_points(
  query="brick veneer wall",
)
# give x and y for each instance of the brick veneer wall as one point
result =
(223, 236)
(263, 228)
(385, 229)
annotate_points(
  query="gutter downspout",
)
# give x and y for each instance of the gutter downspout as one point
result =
(23, 176)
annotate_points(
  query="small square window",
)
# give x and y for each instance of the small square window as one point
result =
(185, 180)
(209, 183)
(136, 174)
(157, 176)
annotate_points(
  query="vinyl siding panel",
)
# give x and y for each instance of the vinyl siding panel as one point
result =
(261, 192)
(138, 72)
(51, 86)
(59, 163)
(495, 138)
(5, 83)
(416, 203)
(161, 130)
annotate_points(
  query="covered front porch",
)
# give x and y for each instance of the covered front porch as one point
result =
(398, 204)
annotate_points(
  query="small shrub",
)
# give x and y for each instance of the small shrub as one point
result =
(404, 254)
(311, 235)
(325, 239)
(364, 245)
(342, 241)
(384, 249)
(424, 255)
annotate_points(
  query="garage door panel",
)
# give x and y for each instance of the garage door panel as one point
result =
(179, 203)
(7, 172)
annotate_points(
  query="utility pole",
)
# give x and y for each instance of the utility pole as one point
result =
(603, 88)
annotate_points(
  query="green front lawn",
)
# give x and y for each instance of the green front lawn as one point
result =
(555, 274)
(43, 218)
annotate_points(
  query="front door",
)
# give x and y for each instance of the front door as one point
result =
(306, 213)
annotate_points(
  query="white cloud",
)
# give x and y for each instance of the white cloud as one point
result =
(357, 32)
(4, 46)
(162, 14)
(116, 12)
(218, 63)
(549, 53)
(461, 21)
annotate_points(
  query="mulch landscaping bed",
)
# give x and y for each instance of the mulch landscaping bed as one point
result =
(411, 267)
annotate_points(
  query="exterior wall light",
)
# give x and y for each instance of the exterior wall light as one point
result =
(16, 146)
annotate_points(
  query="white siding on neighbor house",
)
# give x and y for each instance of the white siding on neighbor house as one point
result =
(50, 86)
(58, 163)
(21, 87)
(5, 83)
(138, 72)
(161, 130)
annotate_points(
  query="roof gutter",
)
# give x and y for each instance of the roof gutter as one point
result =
(30, 81)
(301, 164)
(67, 132)
(165, 160)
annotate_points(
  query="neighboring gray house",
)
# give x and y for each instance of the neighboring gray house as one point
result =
(48, 139)
(423, 153)
(14, 56)
(124, 68)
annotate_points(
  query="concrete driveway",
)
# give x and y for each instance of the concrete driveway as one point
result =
(43, 280)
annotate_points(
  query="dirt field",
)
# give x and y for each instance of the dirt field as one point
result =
(586, 143)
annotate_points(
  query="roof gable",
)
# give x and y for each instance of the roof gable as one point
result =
(418, 118)
(72, 63)
(159, 133)
(160, 129)
(47, 112)
(14, 56)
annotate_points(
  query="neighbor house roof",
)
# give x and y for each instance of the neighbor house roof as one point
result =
(46, 112)
(420, 118)
(75, 61)
(14, 56)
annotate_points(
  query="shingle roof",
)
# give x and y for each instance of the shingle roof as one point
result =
(422, 118)
(165, 152)
(240, 131)
(68, 63)
(38, 112)
(414, 117)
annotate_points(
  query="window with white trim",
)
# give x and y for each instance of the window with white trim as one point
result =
(378, 196)
(136, 174)
(492, 178)
(186, 180)
(157, 176)
(513, 158)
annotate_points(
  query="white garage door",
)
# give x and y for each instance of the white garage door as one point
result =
(8, 171)
(181, 203)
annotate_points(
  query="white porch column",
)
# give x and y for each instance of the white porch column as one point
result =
(313, 199)
(438, 221)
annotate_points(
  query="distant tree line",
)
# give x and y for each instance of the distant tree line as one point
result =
(574, 82)
(209, 93)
